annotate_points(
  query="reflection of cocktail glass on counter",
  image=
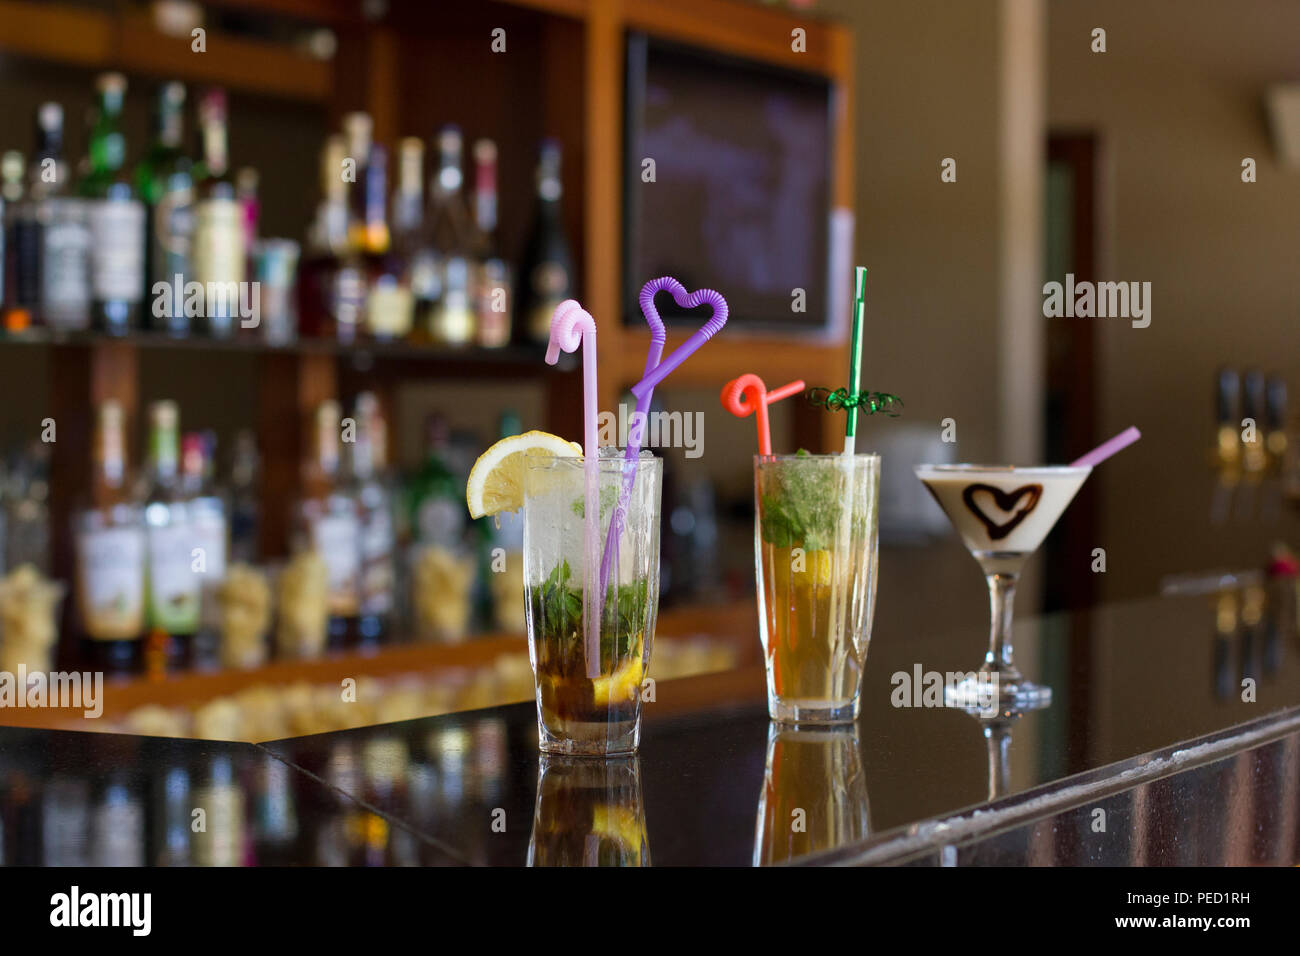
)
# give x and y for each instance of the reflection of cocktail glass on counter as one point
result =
(583, 709)
(1002, 514)
(588, 813)
(814, 793)
(815, 560)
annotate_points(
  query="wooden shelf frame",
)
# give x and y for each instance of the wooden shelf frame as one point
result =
(751, 32)
(94, 39)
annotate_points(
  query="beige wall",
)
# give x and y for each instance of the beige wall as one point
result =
(1178, 102)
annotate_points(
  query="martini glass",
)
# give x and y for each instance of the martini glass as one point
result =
(1003, 514)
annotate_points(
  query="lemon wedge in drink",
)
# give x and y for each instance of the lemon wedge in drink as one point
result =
(623, 685)
(496, 482)
(816, 570)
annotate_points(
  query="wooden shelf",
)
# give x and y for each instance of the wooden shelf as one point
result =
(394, 356)
(77, 36)
(732, 623)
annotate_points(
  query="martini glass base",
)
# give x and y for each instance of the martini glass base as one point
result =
(989, 693)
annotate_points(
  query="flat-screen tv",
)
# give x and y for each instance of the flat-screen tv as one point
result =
(738, 196)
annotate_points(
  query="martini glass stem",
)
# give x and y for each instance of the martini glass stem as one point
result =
(1002, 597)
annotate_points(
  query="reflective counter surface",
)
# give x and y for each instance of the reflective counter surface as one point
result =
(1166, 743)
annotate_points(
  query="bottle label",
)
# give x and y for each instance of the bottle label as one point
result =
(389, 309)
(65, 286)
(111, 563)
(173, 585)
(347, 298)
(117, 250)
(335, 538)
(492, 304)
(219, 253)
(440, 521)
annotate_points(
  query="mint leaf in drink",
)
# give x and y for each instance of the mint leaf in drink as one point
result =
(799, 504)
(557, 613)
(608, 495)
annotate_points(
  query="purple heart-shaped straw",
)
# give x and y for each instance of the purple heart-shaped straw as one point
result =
(655, 372)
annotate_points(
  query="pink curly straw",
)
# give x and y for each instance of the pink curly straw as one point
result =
(573, 327)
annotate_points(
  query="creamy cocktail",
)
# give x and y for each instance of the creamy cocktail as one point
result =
(1002, 514)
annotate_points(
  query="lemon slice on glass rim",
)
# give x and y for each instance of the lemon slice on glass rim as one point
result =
(496, 482)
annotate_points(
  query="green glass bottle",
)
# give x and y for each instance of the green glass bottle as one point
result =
(116, 218)
(164, 181)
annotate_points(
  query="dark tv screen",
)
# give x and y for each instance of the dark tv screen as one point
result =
(740, 200)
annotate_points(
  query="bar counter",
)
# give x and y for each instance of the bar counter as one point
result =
(1165, 743)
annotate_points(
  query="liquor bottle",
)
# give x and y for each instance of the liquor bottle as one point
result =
(245, 507)
(434, 505)
(450, 317)
(21, 245)
(65, 247)
(350, 285)
(546, 273)
(164, 181)
(326, 240)
(209, 539)
(331, 285)
(328, 524)
(388, 311)
(357, 130)
(375, 510)
(116, 218)
(492, 292)
(219, 255)
(410, 241)
(173, 582)
(27, 511)
(111, 547)
(246, 183)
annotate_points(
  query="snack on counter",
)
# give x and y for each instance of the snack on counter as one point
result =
(29, 611)
(244, 600)
(304, 607)
(442, 594)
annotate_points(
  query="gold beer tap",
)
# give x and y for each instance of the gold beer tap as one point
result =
(1227, 452)
(1254, 457)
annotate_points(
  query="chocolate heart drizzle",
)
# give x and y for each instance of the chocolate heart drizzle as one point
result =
(1006, 500)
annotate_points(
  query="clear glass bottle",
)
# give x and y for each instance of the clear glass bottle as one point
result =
(218, 254)
(245, 502)
(329, 525)
(410, 240)
(450, 317)
(209, 535)
(492, 291)
(65, 239)
(27, 511)
(111, 547)
(389, 308)
(375, 510)
(173, 581)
